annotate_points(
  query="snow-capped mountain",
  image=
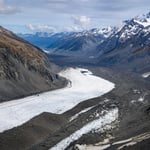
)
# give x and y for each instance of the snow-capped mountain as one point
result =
(70, 41)
(109, 46)
(129, 47)
(95, 40)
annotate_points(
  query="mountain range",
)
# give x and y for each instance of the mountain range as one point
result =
(125, 47)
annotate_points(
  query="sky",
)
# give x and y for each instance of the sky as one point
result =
(29, 16)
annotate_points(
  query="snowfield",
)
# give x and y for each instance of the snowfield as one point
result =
(83, 85)
(101, 124)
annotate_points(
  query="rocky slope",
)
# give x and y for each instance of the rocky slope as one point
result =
(24, 69)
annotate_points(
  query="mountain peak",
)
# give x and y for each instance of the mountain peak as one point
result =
(143, 20)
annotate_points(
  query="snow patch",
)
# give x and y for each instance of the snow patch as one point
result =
(136, 91)
(122, 142)
(46, 51)
(145, 23)
(141, 99)
(83, 85)
(91, 147)
(126, 145)
(146, 75)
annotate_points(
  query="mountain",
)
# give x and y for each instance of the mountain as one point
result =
(70, 42)
(131, 46)
(78, 116)
(106, 39)
(42, 39)
(24, 69)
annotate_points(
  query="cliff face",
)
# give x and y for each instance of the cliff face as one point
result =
(24, 69)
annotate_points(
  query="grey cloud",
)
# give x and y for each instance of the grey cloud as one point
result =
(81, 7)
(6, 9)
(58, 12)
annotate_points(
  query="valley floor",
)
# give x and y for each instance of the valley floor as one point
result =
(76, 118)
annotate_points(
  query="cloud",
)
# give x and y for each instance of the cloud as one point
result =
(7, 9)
(71, 29)
(57, 13)
(81, 21)
(50, 29)
(41, 28)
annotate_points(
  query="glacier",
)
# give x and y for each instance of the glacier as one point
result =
(83, 85)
